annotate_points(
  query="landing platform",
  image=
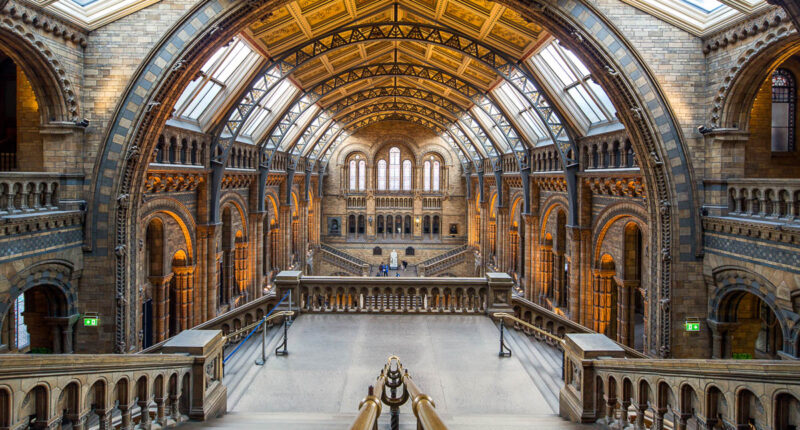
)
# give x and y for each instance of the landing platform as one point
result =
(334, 358)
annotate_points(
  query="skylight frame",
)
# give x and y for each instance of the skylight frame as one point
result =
(521, 113)
(211, 76)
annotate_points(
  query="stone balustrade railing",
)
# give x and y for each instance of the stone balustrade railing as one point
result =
(439, 263)
(115, 390)
(555, 324)
(26, 193)
(344, 261)
(602, 386)
(765, 199)
(398, 295)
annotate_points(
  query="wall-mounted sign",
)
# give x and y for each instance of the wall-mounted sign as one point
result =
(91, 320)
(692, 324)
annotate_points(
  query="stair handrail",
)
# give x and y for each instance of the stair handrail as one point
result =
(227, 357)
(423, 406)
(505, 315)
(245, 329)
(369, 410)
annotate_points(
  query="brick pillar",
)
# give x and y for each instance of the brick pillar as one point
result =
(545, 272)
(303, 235)
(286, 235)
(240, 269)
(531, 256)
(209, 289)
(161, 311)
(256, 235)
(484, 236)
(501, 237)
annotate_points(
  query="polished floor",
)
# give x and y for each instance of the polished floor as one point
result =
(334, 358)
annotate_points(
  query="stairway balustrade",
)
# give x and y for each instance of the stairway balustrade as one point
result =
(48, 391)
(601, 385)
(439, 263)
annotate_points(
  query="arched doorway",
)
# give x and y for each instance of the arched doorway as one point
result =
(39, 321)
(751, 327)
(21, 146)
(632, 310)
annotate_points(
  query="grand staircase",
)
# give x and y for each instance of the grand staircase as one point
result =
(438, 264)
(348, 263)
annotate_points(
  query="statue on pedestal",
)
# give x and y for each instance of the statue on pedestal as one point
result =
(393, 260)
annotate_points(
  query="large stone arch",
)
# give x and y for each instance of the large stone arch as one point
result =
(735, 97)
(174, 61)
(178, 212)
(48, 76)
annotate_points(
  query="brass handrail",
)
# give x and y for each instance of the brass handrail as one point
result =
(423, 407)
(369, 410)
(253, 325)
(505, 315)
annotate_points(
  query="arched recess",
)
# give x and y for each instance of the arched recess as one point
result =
(177, 211)
(733, 287)
(54, 93)
(733, 102)
(640, 102)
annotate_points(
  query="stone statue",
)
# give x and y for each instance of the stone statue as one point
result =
(393, 260)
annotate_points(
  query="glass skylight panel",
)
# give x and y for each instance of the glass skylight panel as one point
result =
(217, 74)
(266, 112)
(707, 6)
(521, 112)
(496, 135)
(558, 66)
(568, 74)
(299, 126)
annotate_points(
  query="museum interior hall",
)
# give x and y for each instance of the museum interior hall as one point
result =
(399, 214)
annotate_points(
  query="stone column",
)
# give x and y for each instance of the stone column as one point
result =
(484, 236)
(161, 411)
(501, 238)
(640, 411)
(302, 250)
(624, 310)
(285, 257)
(240, 269)
(184, 280)
(720, 337)
(658, 422)
(144, 418)
(207, 238)
(105, 419)
(161, 311)
(126, 417)
(546, 273)
(601, 315)
(257, 254)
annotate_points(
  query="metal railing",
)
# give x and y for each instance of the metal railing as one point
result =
(256, 326)
(393, 377)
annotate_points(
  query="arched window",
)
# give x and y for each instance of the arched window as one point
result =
(382, 175)
(784, 104)
(435, 176)
(352, 175)
(426, 176)
(407, 175)
(362, 175)
(394, 169)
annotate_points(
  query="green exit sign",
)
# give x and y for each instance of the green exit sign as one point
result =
(91, 321)
(692, 326)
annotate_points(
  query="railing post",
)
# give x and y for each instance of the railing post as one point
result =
(287, 281)
(504, 350)
(209, 397)
(576, 399)
(263, 359)
(499, 292)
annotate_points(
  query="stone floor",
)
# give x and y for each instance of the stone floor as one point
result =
(334, 358)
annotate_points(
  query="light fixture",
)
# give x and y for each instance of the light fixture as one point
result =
(416, 220)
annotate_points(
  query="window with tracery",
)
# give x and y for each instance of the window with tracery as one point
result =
(435, 175)
(353, 175)
(362, 175)
(784, 108)
(394, 169)
(426, 176)
(406, 175)
(382, 175)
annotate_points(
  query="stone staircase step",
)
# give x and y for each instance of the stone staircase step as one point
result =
(539, 363)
